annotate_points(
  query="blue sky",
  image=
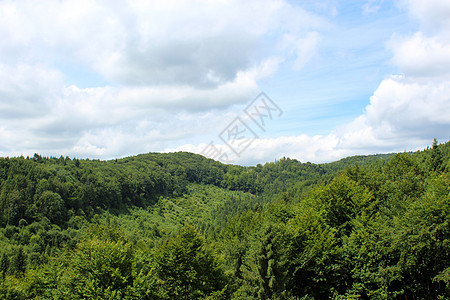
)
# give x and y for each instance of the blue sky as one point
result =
(107, 79)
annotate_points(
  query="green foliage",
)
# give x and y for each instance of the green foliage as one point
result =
(19, 262)
(436, 157)
(187, 269)
(99, 269)
(311, 246)
(180, 226)
(340, 202)
(425, 238)
(4, 264)
(51, 206)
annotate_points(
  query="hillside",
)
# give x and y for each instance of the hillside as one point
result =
(178, 225)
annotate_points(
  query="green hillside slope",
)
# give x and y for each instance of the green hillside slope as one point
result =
(180, 226)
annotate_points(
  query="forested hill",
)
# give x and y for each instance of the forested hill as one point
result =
(180, 226)
(58, 188)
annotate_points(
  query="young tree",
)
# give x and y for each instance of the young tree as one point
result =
(271, 264)
(4, 264)
(187, 268)
(100, 267)
(436, 157)
(19, 262)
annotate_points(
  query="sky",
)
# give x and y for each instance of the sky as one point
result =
(243, 82)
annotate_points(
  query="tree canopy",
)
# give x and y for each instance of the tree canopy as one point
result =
(180, 226)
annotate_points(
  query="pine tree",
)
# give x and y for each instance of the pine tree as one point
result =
(436, 157)
(270, 266)
(19, 262)
(4, 264)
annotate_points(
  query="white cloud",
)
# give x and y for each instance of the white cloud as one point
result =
(422, 56)
(203, 44)
(372, 6)
(402, 115)
(22, 85)
(178, 70)
(109, 122)
(167, 66)
(405, 112)
(303, 48)
(434, 15)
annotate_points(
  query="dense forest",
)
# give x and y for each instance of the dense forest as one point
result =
(181, 226)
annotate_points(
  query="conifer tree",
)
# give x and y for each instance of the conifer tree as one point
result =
(4, 264)
(19, 262)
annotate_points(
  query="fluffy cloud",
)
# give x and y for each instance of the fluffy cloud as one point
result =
(425, 54)
(402, 115)
(167, 68)
(422, 56)
(173, 71)
(434, 15)
(202, 44)
(405, 112)
(401, 112)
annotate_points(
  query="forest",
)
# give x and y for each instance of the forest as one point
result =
(181, 226)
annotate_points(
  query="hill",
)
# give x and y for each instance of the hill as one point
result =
(178, 225)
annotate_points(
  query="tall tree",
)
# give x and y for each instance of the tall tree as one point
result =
(187, 268)
(4, 264)
(436, 157)
(19, 262)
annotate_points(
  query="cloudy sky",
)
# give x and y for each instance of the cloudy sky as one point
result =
(107, 79)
